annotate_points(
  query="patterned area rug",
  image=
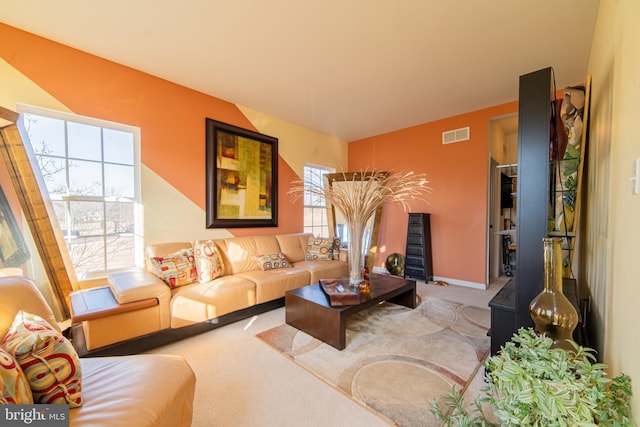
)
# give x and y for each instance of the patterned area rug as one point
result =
(396, 359)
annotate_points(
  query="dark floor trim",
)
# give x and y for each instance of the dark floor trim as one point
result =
(167, 336)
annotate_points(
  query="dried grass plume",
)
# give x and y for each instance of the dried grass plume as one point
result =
(367, 191)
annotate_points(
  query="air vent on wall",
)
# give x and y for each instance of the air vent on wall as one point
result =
(455, 135)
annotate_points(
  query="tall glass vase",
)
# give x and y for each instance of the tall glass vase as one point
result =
(356, 256)
(551, 311)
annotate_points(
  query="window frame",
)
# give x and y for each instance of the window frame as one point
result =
(324, 228)
(138, 261)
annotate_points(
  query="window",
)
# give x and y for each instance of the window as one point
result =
(315, 210)
(91, 171)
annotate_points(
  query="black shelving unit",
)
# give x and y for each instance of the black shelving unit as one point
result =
(510, 307)
(418, 262)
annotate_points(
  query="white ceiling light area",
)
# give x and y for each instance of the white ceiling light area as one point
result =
(347, 68)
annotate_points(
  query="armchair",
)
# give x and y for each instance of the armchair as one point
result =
(141, 390)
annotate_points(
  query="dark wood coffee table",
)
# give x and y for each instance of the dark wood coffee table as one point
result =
(308, 308)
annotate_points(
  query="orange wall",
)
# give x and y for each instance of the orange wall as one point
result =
(457, 174)
(171, 117)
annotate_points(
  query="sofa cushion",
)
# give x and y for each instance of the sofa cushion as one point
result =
(272, 261)
(209, 264)
(48, 360)
(240, 252)
(150, 390)
(323, 248)
(164, 249)
(293, 245)
(272, 284)
(14, 387)
(200, 302)
(131, 286)
(177, 269)
(324, 269)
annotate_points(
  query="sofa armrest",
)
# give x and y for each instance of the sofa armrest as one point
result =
(131, 286)
(20, 293)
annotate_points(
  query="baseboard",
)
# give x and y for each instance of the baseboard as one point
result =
(166, 336)
(474, 285)
(464, 283)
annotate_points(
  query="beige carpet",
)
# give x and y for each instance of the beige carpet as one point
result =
(396, 359)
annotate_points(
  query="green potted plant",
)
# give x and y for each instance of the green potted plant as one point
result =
(531, 383)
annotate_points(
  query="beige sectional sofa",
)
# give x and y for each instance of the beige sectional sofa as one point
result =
(243, 285)
(150, 390)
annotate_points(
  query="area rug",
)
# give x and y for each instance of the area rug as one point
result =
(396, 359)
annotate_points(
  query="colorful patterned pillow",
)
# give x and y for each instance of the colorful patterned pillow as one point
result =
(176, 269)
(208, 260)
(14, 387)
(273, 261)
(49, 361)
(323, 248)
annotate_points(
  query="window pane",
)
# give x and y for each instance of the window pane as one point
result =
(120, 218)
(308, 217)
(85, 178)
(87, 218)
(119, 181)
(54, 174)
(319, 217)
(87, 255)
(316, 200)
(45, 134)
(321, 231)
(60, 209)
(85, 141)
(118, 146)
(120, 251)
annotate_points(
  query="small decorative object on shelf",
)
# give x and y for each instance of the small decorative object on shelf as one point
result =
(365, 286)
(395, 264)
(338, 292)
(552, 312)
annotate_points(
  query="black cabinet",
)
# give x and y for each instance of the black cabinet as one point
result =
(503, 316)
(510, 307)
(418, 263)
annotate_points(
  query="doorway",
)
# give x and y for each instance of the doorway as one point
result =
(503, 159)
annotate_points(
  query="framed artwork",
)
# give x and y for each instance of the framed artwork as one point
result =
(13, 249)
(242, 174)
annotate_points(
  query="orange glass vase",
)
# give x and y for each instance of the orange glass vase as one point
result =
(552, 312)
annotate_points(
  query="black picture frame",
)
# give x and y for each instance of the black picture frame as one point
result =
(13, 249)
(242, 177)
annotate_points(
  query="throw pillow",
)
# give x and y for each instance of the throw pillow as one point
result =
(273, 261)
(176, 269)
(323, 248)
(14, 387)
(208, 260)
(48, 360)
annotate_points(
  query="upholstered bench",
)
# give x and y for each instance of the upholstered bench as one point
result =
(133, 304)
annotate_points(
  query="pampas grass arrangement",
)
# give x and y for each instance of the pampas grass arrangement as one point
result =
(366, 192)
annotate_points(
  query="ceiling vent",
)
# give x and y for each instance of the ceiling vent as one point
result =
(455, 135)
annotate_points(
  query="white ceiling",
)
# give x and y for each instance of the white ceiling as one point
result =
(348, 68)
